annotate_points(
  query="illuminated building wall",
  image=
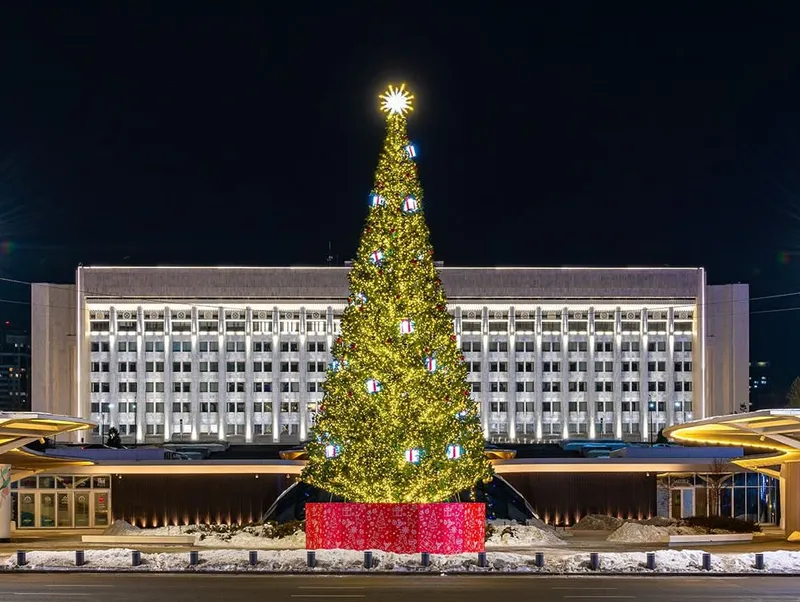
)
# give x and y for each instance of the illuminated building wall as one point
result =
(239, 354)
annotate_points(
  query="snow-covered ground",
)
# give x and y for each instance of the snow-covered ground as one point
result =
(505, 535)
(637, 533)
(667, 561)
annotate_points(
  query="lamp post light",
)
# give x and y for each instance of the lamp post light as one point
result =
(651, 407)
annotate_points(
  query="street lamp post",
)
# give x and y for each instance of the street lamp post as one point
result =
(651, 407)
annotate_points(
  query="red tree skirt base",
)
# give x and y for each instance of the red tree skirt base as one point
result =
(401, 528)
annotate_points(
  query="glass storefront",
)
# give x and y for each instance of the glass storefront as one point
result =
(749, 496)
(63, 502)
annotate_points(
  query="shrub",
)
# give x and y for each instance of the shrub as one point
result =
(722, 523)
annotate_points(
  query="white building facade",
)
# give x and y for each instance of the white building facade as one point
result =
(240, 354)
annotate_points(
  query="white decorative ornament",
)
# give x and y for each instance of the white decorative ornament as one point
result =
(413, 456)
(181, 315)
(471, 315)
(127, 315)
(289, 316)
(407, 326)
(604, 315)
(577, 315)
(262, 315)
(373, 386)
(234, 315)
(524, 316)
(315, 315)
(630, 315)
(208, 315)
(454, 452)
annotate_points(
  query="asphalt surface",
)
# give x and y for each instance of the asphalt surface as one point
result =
(201, 588)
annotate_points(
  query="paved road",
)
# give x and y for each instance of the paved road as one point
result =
(201, 588)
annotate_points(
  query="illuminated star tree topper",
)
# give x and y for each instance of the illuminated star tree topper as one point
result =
(396, 101)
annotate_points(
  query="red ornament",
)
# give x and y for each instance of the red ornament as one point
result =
(466, 393)
(461, 358)
(389, 341)
(339, 340)
(452, 337)
(349, 393)
(414, 261)
(360, 308)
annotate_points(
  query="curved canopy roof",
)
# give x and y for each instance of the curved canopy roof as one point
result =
(18, 429)
(777, 432)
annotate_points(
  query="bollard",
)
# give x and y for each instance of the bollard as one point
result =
(367, 559)
(194, 558)
(426, 559)
(311, 558)
(80, 559)
(538, 560)
(594, 561)
(482, 560)
(22, 559)
(253, 558)
(759, 561)
(136, 558)
(651, 560)
(706, 561)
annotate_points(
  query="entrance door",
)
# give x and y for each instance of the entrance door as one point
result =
(81, 508)
(47, 509)
(101, 507)
(687, 508)
(64, 510)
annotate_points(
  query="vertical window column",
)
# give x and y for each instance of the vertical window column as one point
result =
(670, 407)
(590, 378)
(485, 371)
(644, 379)
(248, 386)
(167, 374)
(303, 396)
(276, 377)
(564, 371)
(222, 359)
(112, 420)
(511, 396)
(141, 377)
(195, 393)
(538, 391)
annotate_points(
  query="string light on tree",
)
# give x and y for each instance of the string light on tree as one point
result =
(397, 386)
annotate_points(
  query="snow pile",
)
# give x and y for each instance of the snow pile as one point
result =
(121, 527)
(212, 536)
(556, 562)
(598, 522)
(639, 533)
(514, 535)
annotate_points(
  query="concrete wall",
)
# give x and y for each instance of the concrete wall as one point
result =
(53, 348)
(727, 348)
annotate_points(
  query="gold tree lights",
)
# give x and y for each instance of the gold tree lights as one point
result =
(396, 423)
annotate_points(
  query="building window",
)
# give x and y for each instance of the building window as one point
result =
(290, 347)
(471, 346)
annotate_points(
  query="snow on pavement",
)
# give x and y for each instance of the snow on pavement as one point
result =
(556, 562)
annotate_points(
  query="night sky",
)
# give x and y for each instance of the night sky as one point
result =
(571, 133)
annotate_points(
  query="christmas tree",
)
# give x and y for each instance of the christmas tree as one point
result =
(396, 423)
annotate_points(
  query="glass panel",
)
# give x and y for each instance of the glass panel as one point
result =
(64, 515)
(738, 502)
(82, 508)
(687, 508)
(700, 506)
(63, 482)
(27, 509)
(752, 503)
(27, 483)
(47, 483)
(83, 482)
(101, 482)
(752, 479)
(676, 503)
(14, 505)
(47, 508)
(726, 496)
(100, 508)
(739, 479)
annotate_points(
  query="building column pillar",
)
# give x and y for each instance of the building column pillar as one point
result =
(790, 497)
(5, 503)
